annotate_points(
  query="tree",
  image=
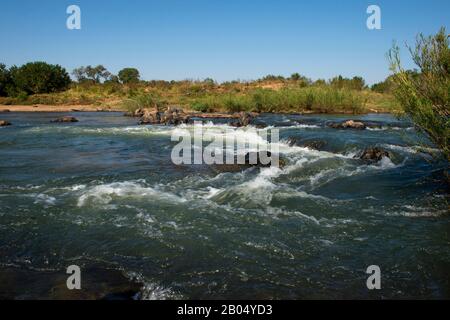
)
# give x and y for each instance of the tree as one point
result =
(39, 77)
(425, 94)
(79, 74)
(129, 75)
(5, 80)
(295, 76)
(95, 74)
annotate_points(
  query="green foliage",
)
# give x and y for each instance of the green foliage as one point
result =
(200, 106)
(315, 99)
(129, 75)
(425, 95)
(385, 86)
(92, 74)
(356, 83)
(38, 77)
(5, 80)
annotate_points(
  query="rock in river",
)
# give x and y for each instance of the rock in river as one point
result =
(4, 123)
(373, 154)
(349, 124)
(66, 119)
(172, 116)
(311, 144)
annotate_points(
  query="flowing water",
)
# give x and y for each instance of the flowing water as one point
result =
(105, 190)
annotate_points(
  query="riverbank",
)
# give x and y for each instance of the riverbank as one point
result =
(93, 108)
(266, 96)
(56, 108)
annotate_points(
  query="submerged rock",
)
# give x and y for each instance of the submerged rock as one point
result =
(244, 119)
(4, 123)
(349, 124)
(373, 154)
(311, 144)
(66, 119)
(98, 283)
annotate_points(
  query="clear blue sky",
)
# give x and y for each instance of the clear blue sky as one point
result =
(225, 40)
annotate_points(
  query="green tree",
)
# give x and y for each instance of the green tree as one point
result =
(296, 76)
(129, 75)
(5, 80)
(425, 94)
(89, 73)
(39, 77)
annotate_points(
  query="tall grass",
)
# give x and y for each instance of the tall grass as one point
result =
(143, 101)
(313, 99)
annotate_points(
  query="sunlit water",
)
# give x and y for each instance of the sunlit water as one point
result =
(105, 190)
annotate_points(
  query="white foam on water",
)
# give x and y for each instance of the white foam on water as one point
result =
(104, 194)
(212, 192)
(417, 212)
(43, 198)
(384, 128)
(283, 212)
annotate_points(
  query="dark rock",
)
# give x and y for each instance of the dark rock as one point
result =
(293, 141)
(66, 119)
(312, 144)
(4, 123)
(244, 119)
(5, 110)
(373, 154)
(349, 124)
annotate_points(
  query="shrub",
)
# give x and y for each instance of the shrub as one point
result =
(425, 95)
(199, 106)
(39, 77)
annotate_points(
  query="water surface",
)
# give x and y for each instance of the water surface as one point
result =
(104, 190)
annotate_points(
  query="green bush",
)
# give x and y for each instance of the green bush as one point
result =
(201, 107)
(5, 80)
(425, 95)
(39, 77)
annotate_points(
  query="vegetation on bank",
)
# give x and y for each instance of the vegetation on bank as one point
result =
(425, 93)
(95, 85)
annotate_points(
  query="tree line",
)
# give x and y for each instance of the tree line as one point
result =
(41, 77)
